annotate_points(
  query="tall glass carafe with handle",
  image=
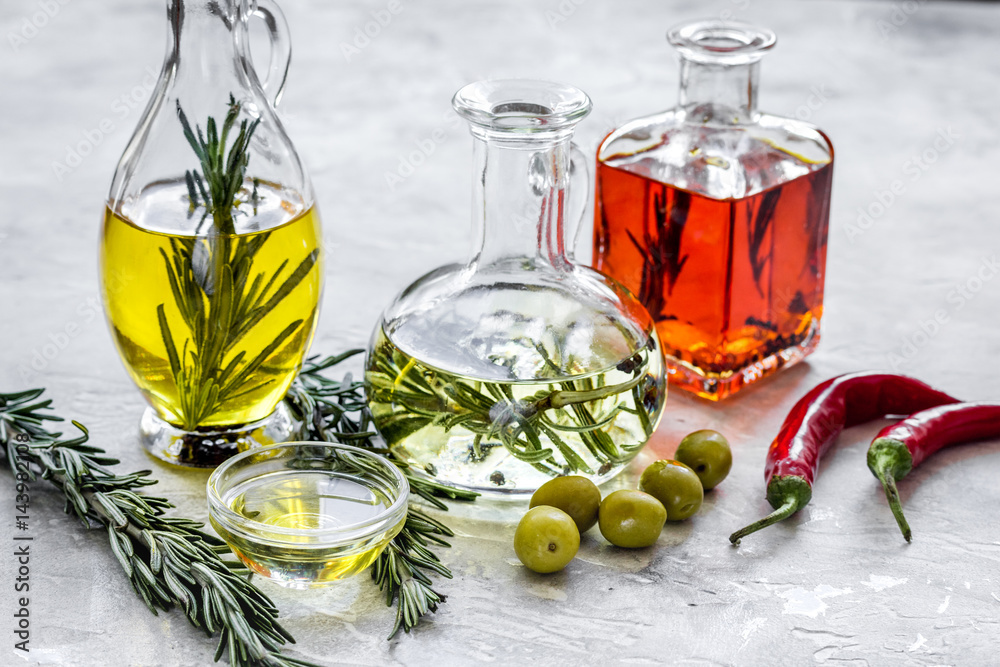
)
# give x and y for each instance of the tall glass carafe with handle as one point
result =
(716, 215)
(211, 257)
(518, 365)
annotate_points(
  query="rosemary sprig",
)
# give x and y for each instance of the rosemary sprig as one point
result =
(336, 411)
(171, 561)
(168, 560)
(757, 232)
(660, 248)
(217, 290)
(223, 172)
(584, 407)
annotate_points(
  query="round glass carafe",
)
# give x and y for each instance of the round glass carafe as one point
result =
(211, 255)
(518, 365)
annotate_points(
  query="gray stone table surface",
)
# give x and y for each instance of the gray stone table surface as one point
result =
(909, 92)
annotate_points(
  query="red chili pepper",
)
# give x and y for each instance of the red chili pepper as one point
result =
(900, 448)
(817, 419)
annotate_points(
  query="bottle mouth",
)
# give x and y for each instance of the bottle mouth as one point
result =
(521, 105)
(721, 42)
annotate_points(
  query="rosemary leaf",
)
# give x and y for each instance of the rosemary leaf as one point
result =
(218, 291)
(332, 410)
(156, 552)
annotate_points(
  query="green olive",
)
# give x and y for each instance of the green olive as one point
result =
(631, 519)
(575, 495)
(708, 454)
(675, 485)
(546, 539)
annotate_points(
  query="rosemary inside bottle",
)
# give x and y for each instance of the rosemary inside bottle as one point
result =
(513, 436)
(214, 325)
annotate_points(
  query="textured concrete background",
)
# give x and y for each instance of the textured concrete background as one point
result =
(836, 584)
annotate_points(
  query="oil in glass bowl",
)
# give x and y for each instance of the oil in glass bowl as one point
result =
(307, 514)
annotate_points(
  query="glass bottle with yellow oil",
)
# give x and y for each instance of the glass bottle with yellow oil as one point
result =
(211, 257)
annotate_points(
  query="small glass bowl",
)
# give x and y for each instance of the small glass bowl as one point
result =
(307, 514)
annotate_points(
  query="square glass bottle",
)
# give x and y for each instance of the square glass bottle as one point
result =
(716, 215)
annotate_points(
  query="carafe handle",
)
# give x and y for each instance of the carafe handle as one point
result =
(281, 48)
(579, 196)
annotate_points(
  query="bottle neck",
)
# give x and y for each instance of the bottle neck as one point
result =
(719, 93)
(206, 36)
(519, 200)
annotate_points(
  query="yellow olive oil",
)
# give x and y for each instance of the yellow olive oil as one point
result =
(212, 328)
(303, 525)
(513, 436)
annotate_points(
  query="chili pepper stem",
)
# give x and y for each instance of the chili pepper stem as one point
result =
(787, 495)
(790, 507)
(889, 460)
(892, 495)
